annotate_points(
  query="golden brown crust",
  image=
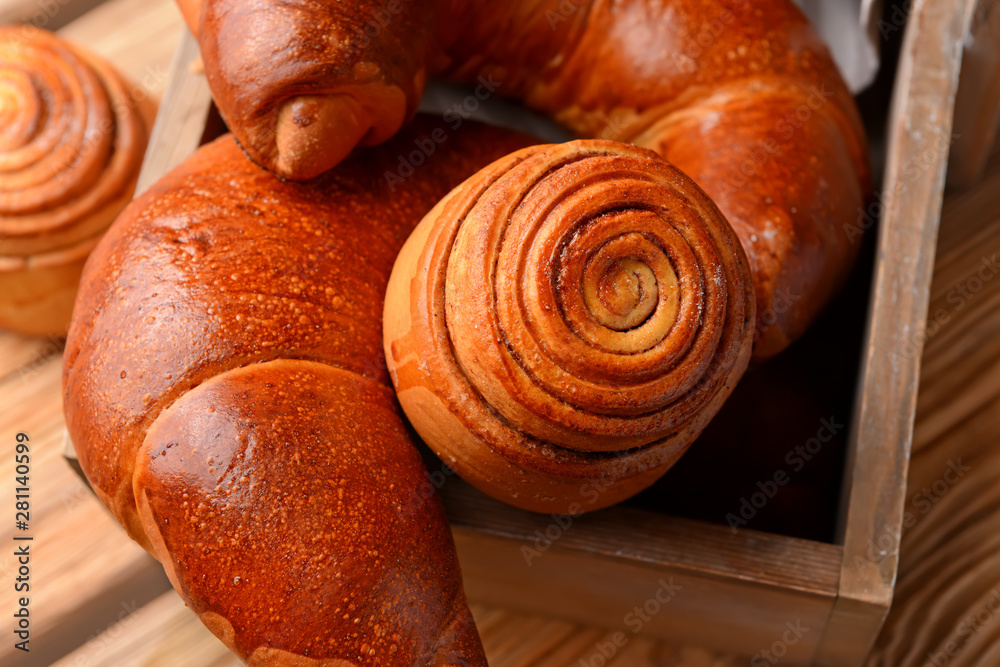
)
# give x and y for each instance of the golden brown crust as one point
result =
(588, 293)
(284, 499)
(219, 272)
(741, 96)
(72, 138)
(294, 109)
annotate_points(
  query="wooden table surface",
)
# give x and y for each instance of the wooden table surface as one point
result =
(98, 599)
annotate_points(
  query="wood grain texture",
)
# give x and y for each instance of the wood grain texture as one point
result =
(977, 102)
(948, 590)
(163, 630)
(82, 580)
(734, 592)
(683, 545)
(180, 126)
(911, 202)
(153, 637)
(48, 15)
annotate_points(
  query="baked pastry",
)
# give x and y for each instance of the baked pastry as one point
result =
(553, 377)
(743, 97)
(259, 327)
(226, 393)
(72, 137)
(566, 322)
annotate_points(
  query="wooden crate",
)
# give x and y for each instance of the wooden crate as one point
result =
(742, 591)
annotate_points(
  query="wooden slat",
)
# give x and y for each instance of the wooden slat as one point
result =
(155, 636)
(762, 559)
(138, 37)
(594, 573)
(950, 560)
(977, 103)
(918, 136)
(50, 14)
(737, 617)
(181, 122)
(80, 580)
(85, 572)
(165, 633)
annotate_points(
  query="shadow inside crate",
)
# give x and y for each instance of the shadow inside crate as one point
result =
(773, 459)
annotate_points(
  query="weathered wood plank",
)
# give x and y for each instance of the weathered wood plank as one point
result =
(165, 633)
(734, 592)
(48, 14)
(919, 134)
(180, 124)
(977, 102)
(85, 572)
(947, 591)
(80, 580)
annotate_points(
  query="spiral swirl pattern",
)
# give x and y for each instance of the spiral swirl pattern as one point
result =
(71, 142)
(587, 309)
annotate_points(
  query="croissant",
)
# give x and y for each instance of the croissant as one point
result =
(502, 371)
(586, 352)
(741, 96)
(72, 137)
(226, 393)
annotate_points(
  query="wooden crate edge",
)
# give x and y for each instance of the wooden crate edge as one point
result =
(882, 432)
